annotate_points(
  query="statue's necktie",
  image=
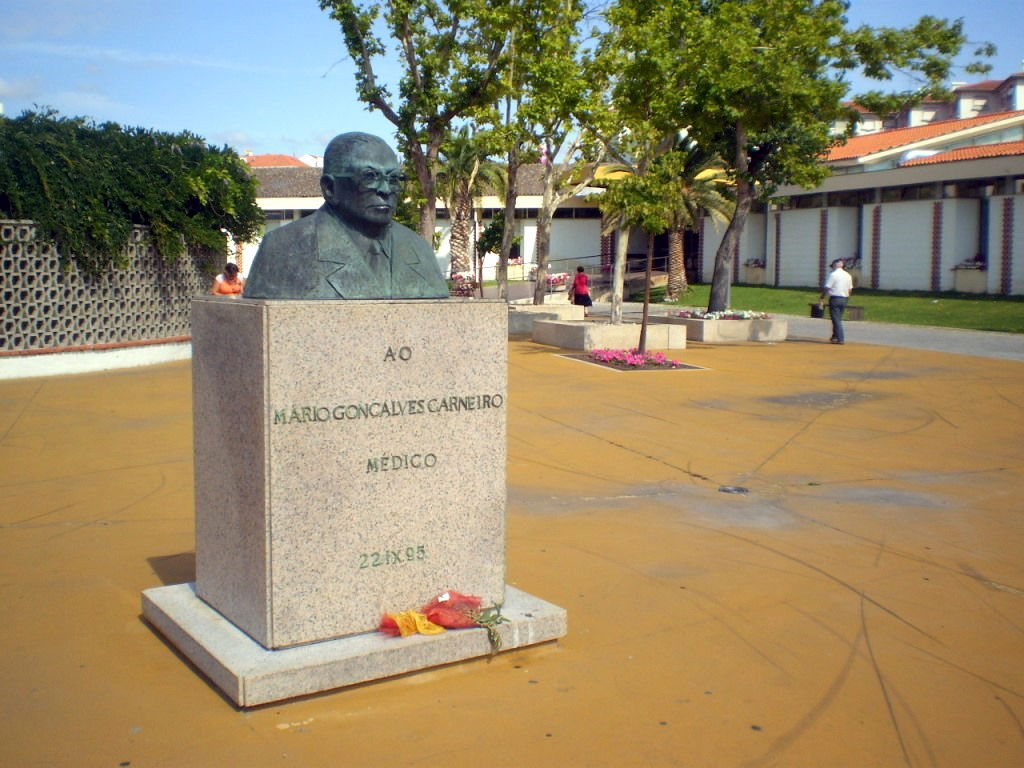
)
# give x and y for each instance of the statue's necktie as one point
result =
(377, 260)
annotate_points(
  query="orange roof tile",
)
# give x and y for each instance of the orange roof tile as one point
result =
(984, 85)
(857, 107)
(870, 143)
(274, 161)
(970, 153)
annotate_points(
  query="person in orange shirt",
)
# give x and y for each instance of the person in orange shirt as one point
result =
(228, 283)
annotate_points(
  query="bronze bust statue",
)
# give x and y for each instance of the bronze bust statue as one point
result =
(350, 248)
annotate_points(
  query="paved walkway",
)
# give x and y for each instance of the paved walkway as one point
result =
(1000, 346)
(861, 604)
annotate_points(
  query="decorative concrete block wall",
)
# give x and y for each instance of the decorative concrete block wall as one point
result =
(46, 307)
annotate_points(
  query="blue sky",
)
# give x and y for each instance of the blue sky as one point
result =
(271, 76)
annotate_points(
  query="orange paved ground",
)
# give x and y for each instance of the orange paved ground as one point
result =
(862, 605)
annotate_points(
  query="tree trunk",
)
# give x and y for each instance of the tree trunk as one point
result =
(677, 284)
(425, 165)
(510, 223)
(619, 270)
(542, 248)
(460, 235)
(722, 277)
(542, 245)
(642, 346)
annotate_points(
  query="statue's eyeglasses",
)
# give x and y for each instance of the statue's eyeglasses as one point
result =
(369, 178)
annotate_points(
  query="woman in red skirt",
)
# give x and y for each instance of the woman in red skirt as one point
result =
(581, 291)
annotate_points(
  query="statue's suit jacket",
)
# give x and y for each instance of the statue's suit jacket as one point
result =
(316, 258)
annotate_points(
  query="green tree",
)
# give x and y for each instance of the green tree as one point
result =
(451, 54)
(635, 141)
(637, 200)
(464, 174)
(86, 185)
(544, 87)
(761, 82)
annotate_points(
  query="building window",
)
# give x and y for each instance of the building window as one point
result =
(976, 188)
(851, 198)
(578, 213)
(797, 202)
(910, 192)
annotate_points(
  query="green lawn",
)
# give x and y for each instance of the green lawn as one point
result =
(949, 310)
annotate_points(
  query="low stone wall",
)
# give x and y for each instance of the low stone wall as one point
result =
(46, 307)
(521, 317)
(589, 334)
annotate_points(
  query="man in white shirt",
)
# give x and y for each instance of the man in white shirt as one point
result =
(838, 288)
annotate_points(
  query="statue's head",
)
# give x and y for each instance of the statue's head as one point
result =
(361, 180)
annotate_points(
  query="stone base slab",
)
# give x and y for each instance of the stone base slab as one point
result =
(521, 317)
(730, 331)
(250, 674)
(587, 335)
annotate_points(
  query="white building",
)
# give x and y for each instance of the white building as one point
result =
(969, 100)
(290, 189)
(934, 207)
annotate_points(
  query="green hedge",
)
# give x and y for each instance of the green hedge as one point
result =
(85, 186)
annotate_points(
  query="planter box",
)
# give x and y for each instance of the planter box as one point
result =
(521, 317)
(755, 275)
(587, 335)
(730, 331)
(970, 280)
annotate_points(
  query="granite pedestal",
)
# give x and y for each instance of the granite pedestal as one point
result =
(349, 461)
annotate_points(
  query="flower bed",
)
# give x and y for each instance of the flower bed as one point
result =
(728, 326)
(463, 284)
(631, 358)
(628, 360)
(558, 280)
(725, 314)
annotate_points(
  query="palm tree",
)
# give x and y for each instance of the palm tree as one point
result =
(695, 180)
(464, 174)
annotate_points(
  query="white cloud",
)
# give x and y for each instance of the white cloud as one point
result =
(238, 140)
(25, 19)
(142, 58)
(24, 88)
